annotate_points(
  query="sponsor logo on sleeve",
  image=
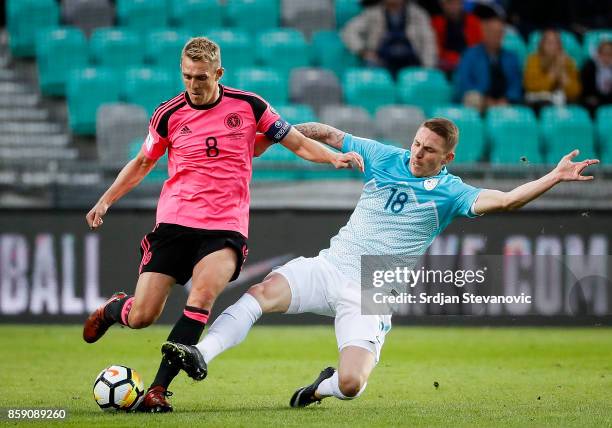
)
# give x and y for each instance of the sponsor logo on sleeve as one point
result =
(149, 142)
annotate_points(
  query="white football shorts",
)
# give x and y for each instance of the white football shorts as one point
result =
(319, 287)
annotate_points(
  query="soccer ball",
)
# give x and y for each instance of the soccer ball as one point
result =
(118, 388)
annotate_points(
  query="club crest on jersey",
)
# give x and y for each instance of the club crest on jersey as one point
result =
(430, 183)
(233, 121)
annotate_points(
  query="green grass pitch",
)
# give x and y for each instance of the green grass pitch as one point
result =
(487, 377)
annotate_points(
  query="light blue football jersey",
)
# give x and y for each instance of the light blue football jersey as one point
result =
(397, 213)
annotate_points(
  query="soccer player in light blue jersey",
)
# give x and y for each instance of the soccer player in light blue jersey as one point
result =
(408, 199)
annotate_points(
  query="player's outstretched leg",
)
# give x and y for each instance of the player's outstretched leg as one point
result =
(231, 326)
(137, 311)
(305, 395)
(347, 383)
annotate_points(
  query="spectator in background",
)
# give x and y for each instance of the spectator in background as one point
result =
(455, 31)
(394, 34)
(487, 74)
(597, 78)
(551, 75)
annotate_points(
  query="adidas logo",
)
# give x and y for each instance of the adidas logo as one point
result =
(185, 130)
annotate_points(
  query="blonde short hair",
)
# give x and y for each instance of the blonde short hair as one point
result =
(202, 49)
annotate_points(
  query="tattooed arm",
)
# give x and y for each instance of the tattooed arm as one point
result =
(322, 133)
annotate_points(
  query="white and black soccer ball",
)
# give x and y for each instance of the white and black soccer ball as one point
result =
(118, 388)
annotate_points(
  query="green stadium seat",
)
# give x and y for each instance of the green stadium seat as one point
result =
(58, 52)
(143, 15)
(568, 40)
(471, 132)
(24, 19)
(116, 48)
(253, 15)
(603, 124)
(277, 163)
(159, 173)
(513, 134)
(329, 52)
(345, 10)
(423, 87)
(265, 82)
(369, 88)
(592, 39)
(237, 49)
(515, 43)
(196, 16)
(564, 129)
(148, 87)
(282, 49)
(296, 113)
(163, 49)
(88, 89)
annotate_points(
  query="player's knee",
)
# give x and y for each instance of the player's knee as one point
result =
(269, 297)
(259, 292)
(141, 319)
(351, 385)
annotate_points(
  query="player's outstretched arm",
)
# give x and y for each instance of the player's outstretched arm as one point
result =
(322, 133)
(129, 177)
(312, 151)
(494, 200)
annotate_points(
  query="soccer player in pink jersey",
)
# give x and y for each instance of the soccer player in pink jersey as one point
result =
(209, 132)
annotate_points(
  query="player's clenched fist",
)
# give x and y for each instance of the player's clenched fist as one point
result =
(94, 216)
(349, 160)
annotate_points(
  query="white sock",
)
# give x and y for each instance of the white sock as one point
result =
(231, 327)
(330, 386)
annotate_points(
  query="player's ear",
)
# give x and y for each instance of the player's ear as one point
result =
(219, 73)
(450, 156)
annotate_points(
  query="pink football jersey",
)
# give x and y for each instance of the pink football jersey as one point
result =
(210, 156)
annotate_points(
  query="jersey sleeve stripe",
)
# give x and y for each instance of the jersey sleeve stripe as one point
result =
(162, 125)
(163, 107)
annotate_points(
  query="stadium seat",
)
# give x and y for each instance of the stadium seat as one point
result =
(148, 87)
(143, 15)
(513, 135)
(345, 10)
(237, 48)
(163, 49)
(265, 82)
(423, 87)
(351, 119)
(568, 40)
(308, 16)
(59, 51)
(592, 39)
(282, 49)
(399, 123)
(253, 15)
(471, 132)
(116, 48)
(329, 52)
(88, 89)
(316, 87)
(369, 88)
(24, 19)
(196, 16)
(515, 43)
(159, 173)
(277, 163)
(118, 125)
(88, 14)
(565, 129)
(296, 113)
(603, 123)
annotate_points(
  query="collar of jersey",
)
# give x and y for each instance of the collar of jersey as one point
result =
(205, 106)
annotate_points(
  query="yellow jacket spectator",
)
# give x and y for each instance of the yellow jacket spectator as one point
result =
(550, 72)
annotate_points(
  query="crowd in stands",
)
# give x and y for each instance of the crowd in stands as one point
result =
(468, 46)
